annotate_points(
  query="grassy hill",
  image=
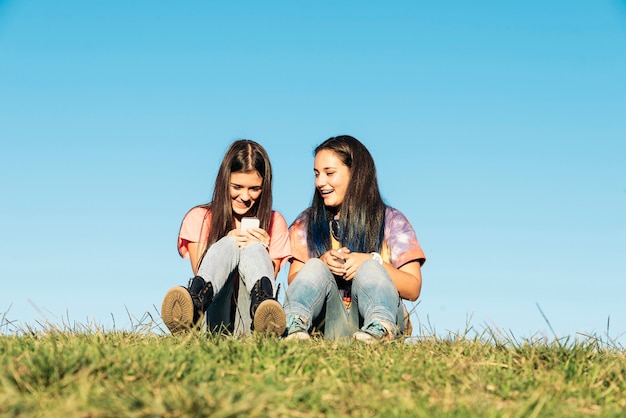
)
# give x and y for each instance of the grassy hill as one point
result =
(56, 372)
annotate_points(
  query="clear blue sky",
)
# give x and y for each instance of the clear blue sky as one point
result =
(498, 128)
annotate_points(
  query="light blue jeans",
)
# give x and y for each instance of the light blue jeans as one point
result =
(223, 265)
(313, 300)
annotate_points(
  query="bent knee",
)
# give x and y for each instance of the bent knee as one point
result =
(315, 270)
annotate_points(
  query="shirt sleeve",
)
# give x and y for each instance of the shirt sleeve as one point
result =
(280, 248)
(401, 239)
(194, 228)
(297, 237)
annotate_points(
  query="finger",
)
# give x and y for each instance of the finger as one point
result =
(260, 235)
(258, 232)
(338, 272)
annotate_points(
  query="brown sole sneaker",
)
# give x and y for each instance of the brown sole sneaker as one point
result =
(177, 310)
(270, 318)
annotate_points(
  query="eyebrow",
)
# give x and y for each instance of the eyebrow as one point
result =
(249, 187)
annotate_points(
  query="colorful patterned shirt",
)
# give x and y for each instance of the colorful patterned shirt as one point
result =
(400, 244)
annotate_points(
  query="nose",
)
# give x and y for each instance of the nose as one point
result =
(320, 181)
(245, 195)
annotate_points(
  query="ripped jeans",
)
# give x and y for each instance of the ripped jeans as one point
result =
(313, 301)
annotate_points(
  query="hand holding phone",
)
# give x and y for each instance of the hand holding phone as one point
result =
(340, 260)
(249, 223)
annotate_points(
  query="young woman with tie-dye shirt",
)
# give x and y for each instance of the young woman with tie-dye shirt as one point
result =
(353, 258)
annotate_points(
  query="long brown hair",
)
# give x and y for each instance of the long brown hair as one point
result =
(243, 156)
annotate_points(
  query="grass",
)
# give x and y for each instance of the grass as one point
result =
(83, 371)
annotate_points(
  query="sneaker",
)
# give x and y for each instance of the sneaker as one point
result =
(298, 336)
(364, 337)
(372, 333)
(177, 310)
(269, 318)
(201, 294)
(183, 308)
(267, 314)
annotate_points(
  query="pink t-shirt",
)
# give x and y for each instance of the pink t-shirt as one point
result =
(400, 244)
(197, 223)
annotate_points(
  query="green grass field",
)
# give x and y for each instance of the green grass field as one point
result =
(86, 372)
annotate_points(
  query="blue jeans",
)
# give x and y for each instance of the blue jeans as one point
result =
(225, 264)
(313, 300)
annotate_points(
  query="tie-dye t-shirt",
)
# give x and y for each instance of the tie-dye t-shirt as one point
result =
(400, 244)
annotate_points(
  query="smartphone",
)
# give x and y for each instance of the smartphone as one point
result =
(249, 223)
(340, 260)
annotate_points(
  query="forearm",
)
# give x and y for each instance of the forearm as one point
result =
(294, 268)
(196, 251)
(408, 279)
(276, 264)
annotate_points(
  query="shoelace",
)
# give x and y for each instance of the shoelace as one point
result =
(199, 300)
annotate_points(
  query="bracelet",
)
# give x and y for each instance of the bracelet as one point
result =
(376, 257)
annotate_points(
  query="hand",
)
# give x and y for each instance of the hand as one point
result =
(335, 261)
(352, 264)
(250, 236)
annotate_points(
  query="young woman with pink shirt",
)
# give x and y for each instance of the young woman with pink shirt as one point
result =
(234, 265)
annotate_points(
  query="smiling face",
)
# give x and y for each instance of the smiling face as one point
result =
(245, 190)
(332, 177)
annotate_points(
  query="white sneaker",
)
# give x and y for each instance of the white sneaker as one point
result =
(364, 337)
(297, 336)
(367, 338)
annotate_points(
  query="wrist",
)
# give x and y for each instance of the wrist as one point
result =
(377, 257)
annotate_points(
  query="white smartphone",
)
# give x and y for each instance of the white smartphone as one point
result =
(249, 223)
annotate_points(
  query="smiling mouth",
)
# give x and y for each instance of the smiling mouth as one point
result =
(241, 204)
(326, 192)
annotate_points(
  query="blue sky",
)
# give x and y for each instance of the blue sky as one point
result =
(498, 128)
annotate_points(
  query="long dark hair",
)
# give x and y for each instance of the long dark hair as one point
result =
(244, 156)
(362, 219)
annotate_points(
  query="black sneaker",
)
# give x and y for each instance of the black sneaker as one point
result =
(266, 313)
(183, 308)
